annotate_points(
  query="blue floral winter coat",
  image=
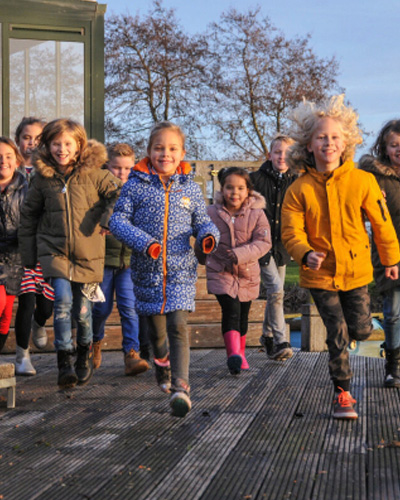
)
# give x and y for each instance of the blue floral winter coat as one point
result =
(149, 211)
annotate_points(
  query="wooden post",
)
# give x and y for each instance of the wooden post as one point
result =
(313, 331)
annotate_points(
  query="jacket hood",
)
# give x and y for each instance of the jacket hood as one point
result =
(144, 166)
(254, 201)
(92, 158)
(371, 164)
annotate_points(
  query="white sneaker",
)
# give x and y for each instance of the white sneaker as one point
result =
(23, 365)
(39, 335)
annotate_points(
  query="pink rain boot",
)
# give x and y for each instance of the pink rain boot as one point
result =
(245, 364)
(232, 345)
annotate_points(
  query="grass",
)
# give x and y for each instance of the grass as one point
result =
(292, 274)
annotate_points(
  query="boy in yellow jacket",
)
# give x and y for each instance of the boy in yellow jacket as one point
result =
(323, 230)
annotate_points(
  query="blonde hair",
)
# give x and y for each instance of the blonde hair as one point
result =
(304, 122)
(55, 128)
(119, 149)
(281, 138)
(159, 127)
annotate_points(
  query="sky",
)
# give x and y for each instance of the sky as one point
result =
(361, 34)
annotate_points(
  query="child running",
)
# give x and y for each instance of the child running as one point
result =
(384, 164)
(63, 222)
(233, 270)
(117, 278)
(159, 209)
(323, 229)
(35, 291)
(13, 187)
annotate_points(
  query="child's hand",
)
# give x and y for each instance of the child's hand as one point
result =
(104, 231)
(315, 259)
(232, 256)
(392, 272)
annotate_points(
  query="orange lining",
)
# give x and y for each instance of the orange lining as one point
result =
(164, 250)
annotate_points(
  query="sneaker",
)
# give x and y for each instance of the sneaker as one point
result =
(282, 352)
(39, 335)
(343, 405)
(163, 376)
(180, 404)
(134, 364)
(279, 352)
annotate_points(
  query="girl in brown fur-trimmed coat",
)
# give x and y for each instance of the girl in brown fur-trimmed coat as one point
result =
(63, 222)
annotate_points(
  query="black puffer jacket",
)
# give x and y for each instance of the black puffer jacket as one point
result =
(11, 200)
(389, 183)
(273, 186)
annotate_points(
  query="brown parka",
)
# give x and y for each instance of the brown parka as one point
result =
(62, 217)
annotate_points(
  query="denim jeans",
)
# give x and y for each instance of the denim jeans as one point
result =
(273, 279)
(173, 326)
(120, 281)
(70, 302)
(391, 317)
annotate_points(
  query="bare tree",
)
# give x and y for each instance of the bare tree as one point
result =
(257, 75)
(154, 72)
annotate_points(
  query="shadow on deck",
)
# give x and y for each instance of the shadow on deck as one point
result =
(267, 434)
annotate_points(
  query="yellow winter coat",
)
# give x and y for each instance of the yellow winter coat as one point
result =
(325, 212)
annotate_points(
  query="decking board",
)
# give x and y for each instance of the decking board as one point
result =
(267, 433)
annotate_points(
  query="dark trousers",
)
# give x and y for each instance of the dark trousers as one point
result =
(172, 328)
(235, 314)
(346, 316)
(23, 318)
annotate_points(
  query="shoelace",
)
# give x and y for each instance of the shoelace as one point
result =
(345, 399)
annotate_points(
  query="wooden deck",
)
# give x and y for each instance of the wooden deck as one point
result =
(266, 434)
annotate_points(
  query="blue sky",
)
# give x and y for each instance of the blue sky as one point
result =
(362, 34)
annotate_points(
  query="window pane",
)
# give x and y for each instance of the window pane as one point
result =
(46, 80)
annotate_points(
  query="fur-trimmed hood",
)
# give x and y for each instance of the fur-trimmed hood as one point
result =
(93, 157)
(371, 164)
(254, 201)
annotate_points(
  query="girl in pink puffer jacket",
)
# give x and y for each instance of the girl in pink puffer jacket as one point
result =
(233, 272)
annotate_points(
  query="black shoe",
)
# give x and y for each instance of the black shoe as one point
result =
(66, 374)
(392, 368)
(268, 344)
(84, 363)
(163, 377)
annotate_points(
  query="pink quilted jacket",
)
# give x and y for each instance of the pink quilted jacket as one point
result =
(249, 236)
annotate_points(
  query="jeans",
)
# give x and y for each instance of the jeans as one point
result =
(119, 280)
(391, 317)
(235, 314)
(174, 326)
(70, 302)
(273, 279)
(346, 315)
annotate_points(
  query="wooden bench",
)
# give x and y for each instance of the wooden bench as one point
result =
(8, 381)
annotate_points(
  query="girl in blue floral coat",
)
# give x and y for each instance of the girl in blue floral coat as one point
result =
(159, 209)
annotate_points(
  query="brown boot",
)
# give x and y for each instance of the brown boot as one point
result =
(97, 354)
(134, 364)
